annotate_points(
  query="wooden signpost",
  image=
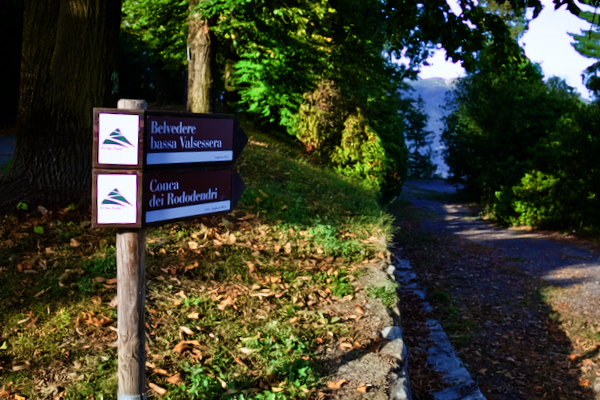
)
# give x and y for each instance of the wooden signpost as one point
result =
(149, 168)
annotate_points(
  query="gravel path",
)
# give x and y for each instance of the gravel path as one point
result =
(528, 302)
(558, 259)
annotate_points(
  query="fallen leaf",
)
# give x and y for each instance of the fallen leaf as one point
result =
(250, 267)
(175, 379)
(111, 281)
(193, 315)
(181, 294)
(185, 345)
(225, 303)
(336, 384)
(6, 390)
(160, 391)
(247, 351)
(362, 389)
(304, 390)
(160, 371)
(18, 397)
(223, 383)
(232, 239)
(74, 243)
(96, 300)
(276, 389)
(186, 330)
(346, 346)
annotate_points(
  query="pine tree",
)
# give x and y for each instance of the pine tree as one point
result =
(587, 43)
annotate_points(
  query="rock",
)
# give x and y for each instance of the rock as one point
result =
(390, 270)
(395, 348)
(400, 390)
(391, 333)
(596, 386)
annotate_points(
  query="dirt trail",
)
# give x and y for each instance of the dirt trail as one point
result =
(522, 308)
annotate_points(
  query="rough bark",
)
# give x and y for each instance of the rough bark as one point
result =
(69, 57)
(199, 66)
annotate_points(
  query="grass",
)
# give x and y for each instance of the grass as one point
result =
(388, 296)
(235, 304)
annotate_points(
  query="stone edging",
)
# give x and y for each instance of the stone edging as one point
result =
(441, 354)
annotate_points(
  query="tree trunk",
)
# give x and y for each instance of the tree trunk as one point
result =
(199, 64)
(68, 67)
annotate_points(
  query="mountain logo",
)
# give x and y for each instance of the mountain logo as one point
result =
(117, 138)
(115, 197)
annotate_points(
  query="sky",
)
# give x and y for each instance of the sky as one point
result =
(546, 42)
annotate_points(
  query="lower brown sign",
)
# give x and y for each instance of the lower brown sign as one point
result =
(172, 196)
(136, 199)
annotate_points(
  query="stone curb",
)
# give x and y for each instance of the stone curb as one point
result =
(441, 353)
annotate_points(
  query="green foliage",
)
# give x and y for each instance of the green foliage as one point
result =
(587, 43)
(316, 68)
(152, 49)
(498, 115)
(527, 148)
(562, 190)
(388, 296)
(161, 25)
(418, 142)
(22, 206)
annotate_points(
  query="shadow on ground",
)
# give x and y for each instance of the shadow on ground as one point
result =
(521, 308)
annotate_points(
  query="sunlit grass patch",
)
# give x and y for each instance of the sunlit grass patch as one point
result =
(233, 303)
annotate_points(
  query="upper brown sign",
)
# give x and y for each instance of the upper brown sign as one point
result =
(184, 140)
(125, 139)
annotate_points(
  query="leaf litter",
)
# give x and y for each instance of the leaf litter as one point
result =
(517, 342)
(212, 283)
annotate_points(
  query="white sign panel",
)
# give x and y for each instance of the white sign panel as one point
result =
(117, 199)
(118, 138)
(188, 157)
(187, 211)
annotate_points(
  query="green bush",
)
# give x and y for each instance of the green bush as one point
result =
(527, 148)
(369, 149)
(562, 190)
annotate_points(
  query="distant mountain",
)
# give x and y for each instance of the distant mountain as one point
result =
(433, 91)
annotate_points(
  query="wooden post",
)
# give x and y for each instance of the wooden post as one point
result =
(131, 294)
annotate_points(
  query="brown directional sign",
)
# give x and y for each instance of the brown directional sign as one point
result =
(156, 139)
(135, 199)
(173, 196)
(152, 167)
